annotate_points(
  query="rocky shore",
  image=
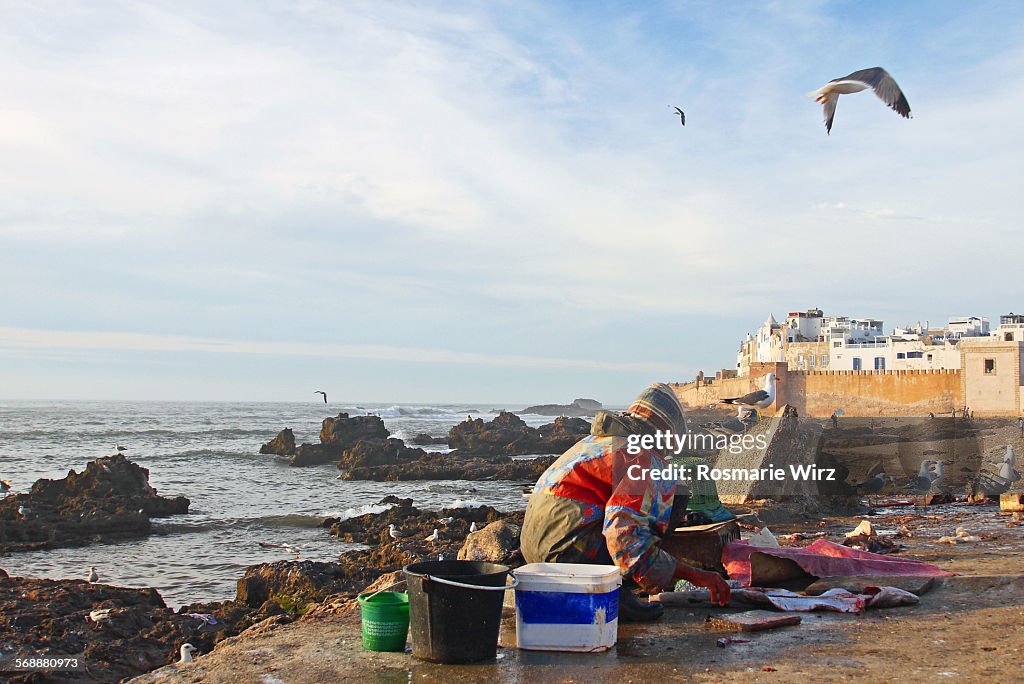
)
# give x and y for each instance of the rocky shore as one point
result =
(120, 632)
(363, 449)
(111, 499)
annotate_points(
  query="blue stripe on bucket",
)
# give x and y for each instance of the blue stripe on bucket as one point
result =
(563, 608)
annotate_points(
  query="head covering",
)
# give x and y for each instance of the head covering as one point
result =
(659, 407)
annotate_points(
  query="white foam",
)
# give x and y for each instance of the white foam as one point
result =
(356, 512)
(465, 503)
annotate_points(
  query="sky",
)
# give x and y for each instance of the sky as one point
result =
(484, 201)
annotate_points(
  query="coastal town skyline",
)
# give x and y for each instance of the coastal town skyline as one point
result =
(482, 204)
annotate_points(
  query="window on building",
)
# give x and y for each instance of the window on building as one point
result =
(929, 357)
(799, 359)
(856, 363)
(879, 363)
(810, 360)
(824, 360)
(990, 366)
(838, 343)
(915, 355)
(1008, 337)
(900, 355)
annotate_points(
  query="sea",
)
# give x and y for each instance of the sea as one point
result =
(209, 452)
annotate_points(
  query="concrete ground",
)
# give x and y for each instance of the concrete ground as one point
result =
(969, 628)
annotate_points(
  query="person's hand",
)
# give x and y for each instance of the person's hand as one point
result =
(714, 583)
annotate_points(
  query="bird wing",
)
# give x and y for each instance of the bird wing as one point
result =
(682, 116)
(885, 87)
(828, 108)
(753, 397)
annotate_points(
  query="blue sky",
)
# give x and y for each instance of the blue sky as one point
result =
(430, 202)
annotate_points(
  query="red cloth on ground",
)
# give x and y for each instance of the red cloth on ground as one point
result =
(826, 559)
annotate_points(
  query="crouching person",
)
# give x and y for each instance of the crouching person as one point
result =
(598, 504)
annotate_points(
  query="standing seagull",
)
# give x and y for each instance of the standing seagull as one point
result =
(876, 78)
(682, 117)
(92, 577)
(758, 399)
(186, 652)
(323, 393)
(434, 537)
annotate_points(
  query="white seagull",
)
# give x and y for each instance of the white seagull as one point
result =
(434, 537)
(23, 511)
(393, 532)
(101, 615)
(186, 653)
(472, 527)
(922, 482)
(758, 399)
(92, 576)
(876, 78)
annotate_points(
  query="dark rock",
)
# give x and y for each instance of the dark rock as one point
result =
(508, 434)
(293, 585)
(282, 445)
(454, 466)
(345, 432)
(376, 452)
(579, 407)
(338, 434)
(51, 618)
(424, 439)
(111, 499)
(495, 543)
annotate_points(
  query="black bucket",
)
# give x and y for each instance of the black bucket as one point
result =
(455, 624)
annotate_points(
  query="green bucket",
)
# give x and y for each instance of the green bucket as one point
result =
(385, 618)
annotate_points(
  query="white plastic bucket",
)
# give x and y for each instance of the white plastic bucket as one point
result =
(567, 607)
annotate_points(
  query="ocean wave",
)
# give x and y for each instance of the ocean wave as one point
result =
(399, 411)
(465, 503)
(356, 512)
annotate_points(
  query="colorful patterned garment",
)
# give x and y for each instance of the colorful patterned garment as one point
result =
(585, 508)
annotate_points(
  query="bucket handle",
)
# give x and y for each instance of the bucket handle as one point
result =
(504, 587)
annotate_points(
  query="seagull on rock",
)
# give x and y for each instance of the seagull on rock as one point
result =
(757, 399)
(875, 484)
(186, 653)
(5, 485)
(92, 576)
(393, 532)
(102, 615)
(23, 511)
(434, 537)
(922, 482)
(876, 78)
(472, 527)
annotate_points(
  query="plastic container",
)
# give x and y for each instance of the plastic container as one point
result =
(567, 607)
(385, 620)
(455, 609)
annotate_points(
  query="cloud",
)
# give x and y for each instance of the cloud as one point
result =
(13, 339)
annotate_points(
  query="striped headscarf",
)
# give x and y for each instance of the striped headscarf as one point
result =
(659, 407)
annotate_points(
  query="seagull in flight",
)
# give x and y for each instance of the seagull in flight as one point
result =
(323, 393)
(876, 78)
(682, 116)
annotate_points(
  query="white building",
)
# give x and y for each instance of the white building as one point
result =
(1011, 328)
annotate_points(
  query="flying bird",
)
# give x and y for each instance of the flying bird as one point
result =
(682, 116)
(876, 78)
(323, 393)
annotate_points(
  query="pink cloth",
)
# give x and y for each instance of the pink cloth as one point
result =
(826, 559)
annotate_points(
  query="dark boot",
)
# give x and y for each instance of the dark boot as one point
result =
(634, 609)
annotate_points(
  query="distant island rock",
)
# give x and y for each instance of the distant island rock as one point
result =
(579, 407)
